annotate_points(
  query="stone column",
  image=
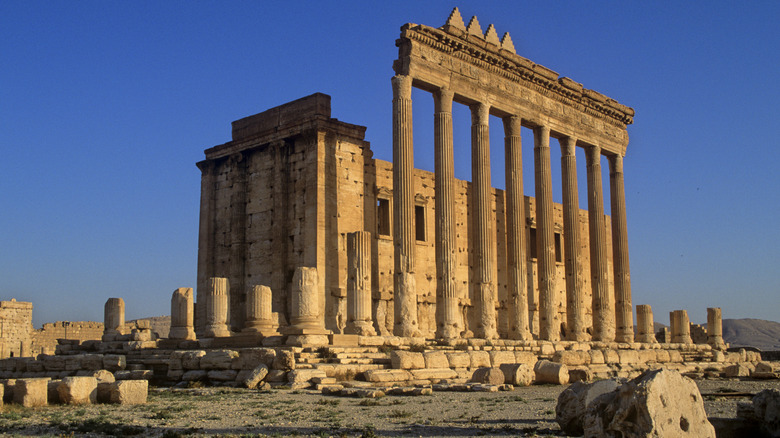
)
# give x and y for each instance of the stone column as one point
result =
(448, 324)
(575, 279)
(359, 284)
(259, 318)
(307, 325)
(405, 290)
(182, 315)
(681, 327)
(603, 307)
(205, 239)
(484, 240)
(517, 259)
(113, 318)
(624, 318)
(216, 309)
(549, 321)
(644, 324)
(715, 328)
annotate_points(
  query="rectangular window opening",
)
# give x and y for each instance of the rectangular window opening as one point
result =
(558, 254)
(419, 222)
(383, 217)
(532, 242)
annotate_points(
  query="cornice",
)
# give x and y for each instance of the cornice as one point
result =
(504, 63)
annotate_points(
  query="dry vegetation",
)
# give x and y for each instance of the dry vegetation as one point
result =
(283, 412)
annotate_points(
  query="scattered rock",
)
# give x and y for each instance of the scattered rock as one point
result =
(658, 403)
(78, 390)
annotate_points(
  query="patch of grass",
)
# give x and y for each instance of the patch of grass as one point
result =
(326, 402)
(98, 426)
(386, 349)
(369, 402)
(397, 402)
(399, 413)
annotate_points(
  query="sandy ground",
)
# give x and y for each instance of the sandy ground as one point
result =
(528, 411)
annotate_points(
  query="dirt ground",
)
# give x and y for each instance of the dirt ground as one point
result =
(528, 411)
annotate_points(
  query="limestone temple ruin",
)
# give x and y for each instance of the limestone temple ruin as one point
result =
(318, 262)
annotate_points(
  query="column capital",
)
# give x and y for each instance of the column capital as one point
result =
(512, 125)
(568, 145)
(402, 87)
(615, 163)
(442, 100)
(480, 113)
(542, 137)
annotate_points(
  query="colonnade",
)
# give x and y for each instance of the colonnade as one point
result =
(612, 314)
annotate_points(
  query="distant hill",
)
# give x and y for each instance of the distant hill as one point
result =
(764, 335)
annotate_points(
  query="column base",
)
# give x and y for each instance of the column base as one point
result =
(307, 340)
(362, 328)
(216, 331)
(182, 333)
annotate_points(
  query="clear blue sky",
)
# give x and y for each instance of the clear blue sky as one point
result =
(105, 107)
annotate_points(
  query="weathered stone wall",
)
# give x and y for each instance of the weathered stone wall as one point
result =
(15, 328)
(44, 340)
(289, 198)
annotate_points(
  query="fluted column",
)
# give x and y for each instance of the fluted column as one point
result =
(624, 318)
(205, 239)
(217, 308)
(182, 315)
(517, 260)
(549, 323)
(405, 291)
(603, 306)
(645, 332)
(259, 316)
(114, 317)
(575, 279)
(359, 284)
(484, 242)
(715, 328)
(448, 324)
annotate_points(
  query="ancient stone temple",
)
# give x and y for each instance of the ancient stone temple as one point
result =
(442, 258)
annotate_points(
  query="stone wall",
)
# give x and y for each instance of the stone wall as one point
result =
(44, 340)
(288, 194)
(15, 328)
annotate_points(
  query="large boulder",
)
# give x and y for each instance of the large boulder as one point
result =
(658, 403)
(574, 400)
(763, 410)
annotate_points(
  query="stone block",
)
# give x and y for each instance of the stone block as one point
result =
(31, 392)
(435, 359)
(434, 374)
(54, 363)
(406, 360)
(92, 362)
(251, 358)
(276, 376)
(488, 375)
(129, 392)
(284, 360)
(301, 378)
(218, 359)
(251, 378)
(78, 390)
(222, 375)
(525, 357)
(611, 356)
(190, 360)
(499, 357)
(628, 357)
(596, 357)
(518, 374)
(459, 359)
(479, 359)
(571, 358)
(736, 370)
(547, 349)
(194, 375)
(114, 362)
(395, 375)
(580, 375)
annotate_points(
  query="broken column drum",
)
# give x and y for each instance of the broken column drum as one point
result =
(644, 324)
(715, 327)
(114, 317)
(182, 315)
(259, 318)
(681, 327)
(216, 311)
